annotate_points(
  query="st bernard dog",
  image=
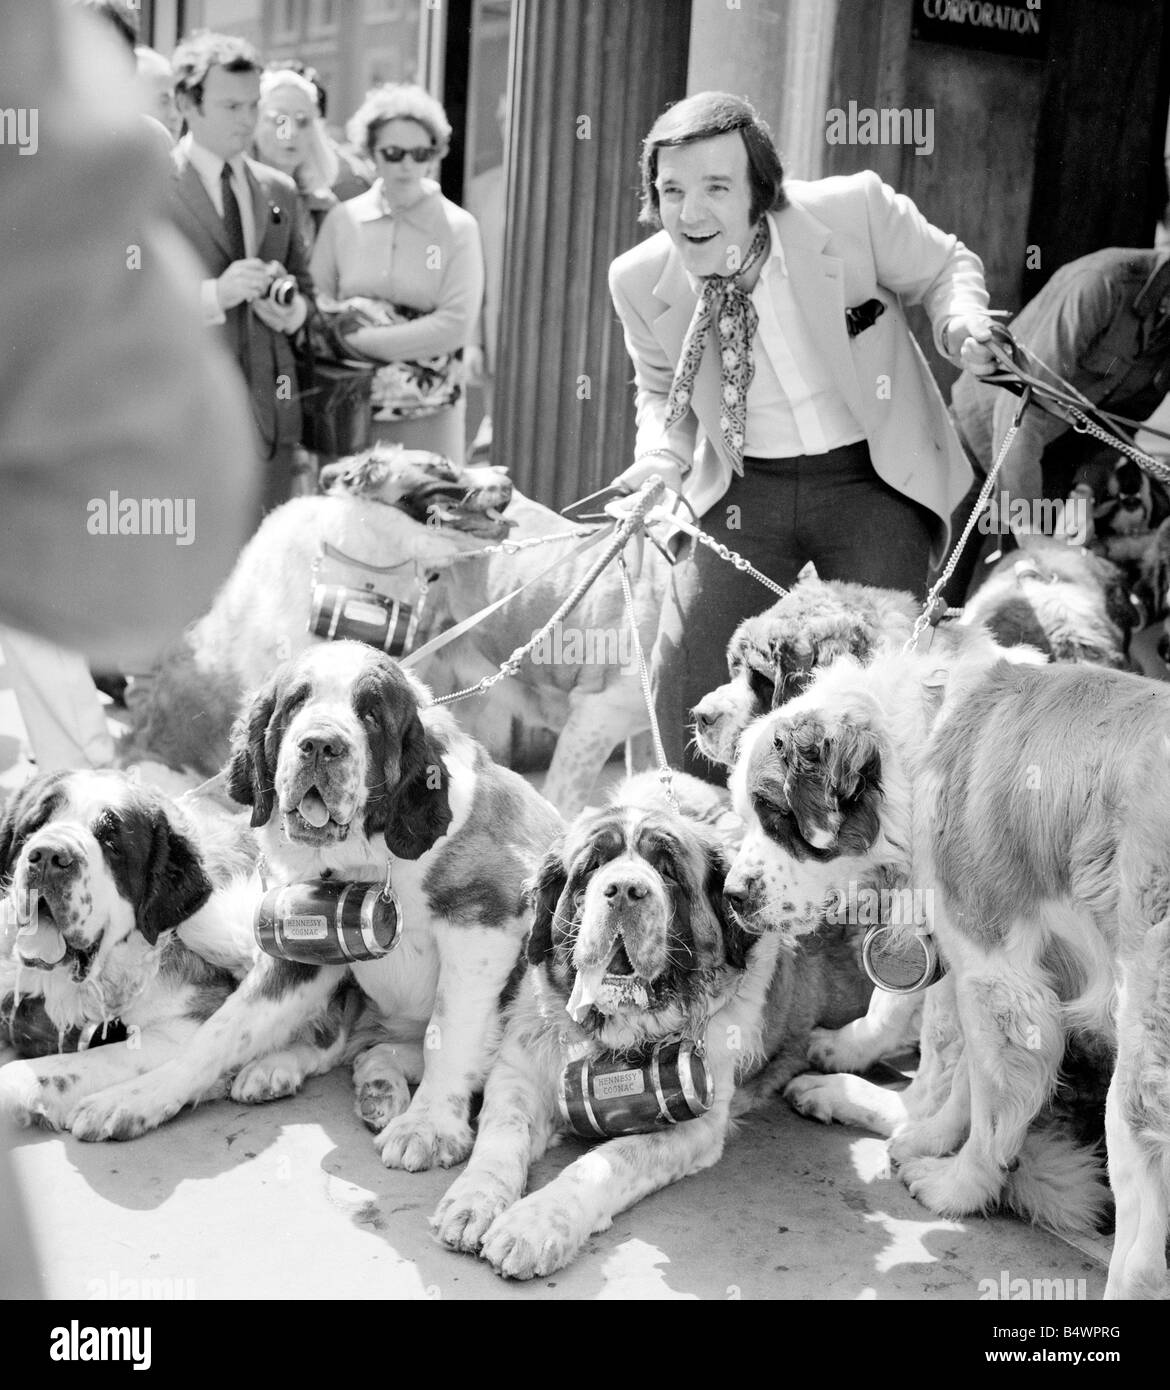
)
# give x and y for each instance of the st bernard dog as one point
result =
(632, 945)
(351, 774)
(1067, 602)
(127, 925)
(1027, 802)
(391, 517)
(772, 654)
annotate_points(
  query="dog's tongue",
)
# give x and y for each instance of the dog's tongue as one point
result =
(585, 988)
(40, 943)
(606, 993)
(313, 808)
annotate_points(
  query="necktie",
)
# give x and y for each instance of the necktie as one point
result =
(231, 216)
(725, 304)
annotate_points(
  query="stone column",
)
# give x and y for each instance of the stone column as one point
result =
(587, 79)
(778, 56)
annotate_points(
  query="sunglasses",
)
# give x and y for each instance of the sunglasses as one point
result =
(395, 154)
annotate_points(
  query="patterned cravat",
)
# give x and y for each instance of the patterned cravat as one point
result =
(726, 304)
(231, 216)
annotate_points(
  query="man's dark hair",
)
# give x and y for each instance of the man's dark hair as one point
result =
(302, 69)
(196, 56)
(700, 117)
(119, 15)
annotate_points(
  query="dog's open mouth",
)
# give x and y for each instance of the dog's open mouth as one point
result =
(614, 987)
(311, 821)
(477, 512)
(41, 944)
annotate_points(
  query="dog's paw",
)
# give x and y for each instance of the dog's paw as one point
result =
(471, 1204)
(122, 1112)
(929, 1138)
(845, 1099)
(833, 1050)
(27, 1098)
(422, 1138)
(381, 1099)
(536, 1237)
(269, 1078)
(814, 1096)
(949, 1186)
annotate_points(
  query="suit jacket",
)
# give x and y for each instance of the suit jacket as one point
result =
(846, 240)
(265, 355)
(1103, 323)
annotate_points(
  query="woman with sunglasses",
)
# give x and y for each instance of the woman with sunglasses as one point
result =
(406, 267)
(291, 137)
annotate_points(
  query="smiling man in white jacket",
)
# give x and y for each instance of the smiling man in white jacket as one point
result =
(778, 385)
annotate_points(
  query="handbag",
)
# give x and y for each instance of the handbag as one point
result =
(335, 386)
(406, 389)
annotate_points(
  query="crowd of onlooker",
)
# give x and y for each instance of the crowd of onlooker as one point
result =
(205, 180)
(311, 245)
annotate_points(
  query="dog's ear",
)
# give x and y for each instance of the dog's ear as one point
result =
(852, 760)
(418, 807)
(249, 775)
(24, 815)
(12, 833)
(543, 893)
(174, 882)
(737, 942)
(853, 637)
(854, 766)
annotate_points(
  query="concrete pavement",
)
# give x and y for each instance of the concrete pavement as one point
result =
(290, 1200)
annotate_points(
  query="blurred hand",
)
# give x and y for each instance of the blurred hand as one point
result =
(285, 319)
(241, 282)
(972, 332)
(365, 342)
(634, 476)
(474, 365)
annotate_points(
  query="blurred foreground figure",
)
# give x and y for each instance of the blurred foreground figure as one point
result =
(126, 472)
(109, 394)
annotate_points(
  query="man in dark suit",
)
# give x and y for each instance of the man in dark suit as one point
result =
(240, 218)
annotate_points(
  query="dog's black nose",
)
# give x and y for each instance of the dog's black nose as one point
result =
(48, 859)
(738, 900)
(631, 891)
(325, 746)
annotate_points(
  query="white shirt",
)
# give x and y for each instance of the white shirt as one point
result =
(793, 404)
(209, 167)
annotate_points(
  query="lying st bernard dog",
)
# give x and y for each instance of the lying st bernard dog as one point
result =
(771, 655)
(128, 916)
(632, 944)
(414, 517)
(581, 688)
(1027, 802)
(350, 772)
(182, 713)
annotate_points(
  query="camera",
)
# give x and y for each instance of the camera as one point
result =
(282, 288)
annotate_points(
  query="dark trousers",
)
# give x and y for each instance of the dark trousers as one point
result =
(832, 509)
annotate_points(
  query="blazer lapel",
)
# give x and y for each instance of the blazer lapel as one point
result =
(189, 187)
(261, 209)
(817, 282)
